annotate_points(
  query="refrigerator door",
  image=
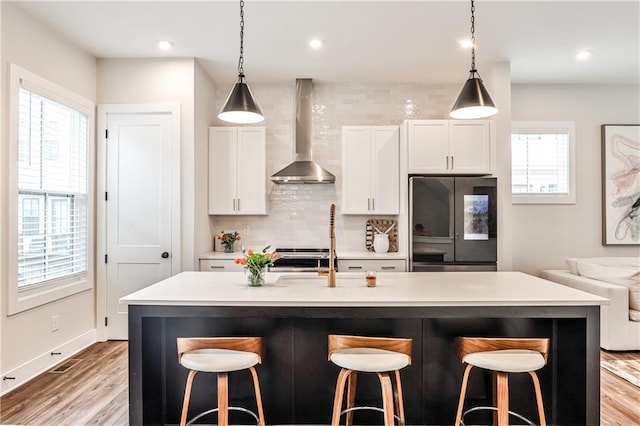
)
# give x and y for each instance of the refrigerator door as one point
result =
(432, 219)
(475, 220)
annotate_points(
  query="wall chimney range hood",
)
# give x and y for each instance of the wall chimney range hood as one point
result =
(303, 169)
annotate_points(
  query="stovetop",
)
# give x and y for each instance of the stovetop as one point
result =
(315, 253)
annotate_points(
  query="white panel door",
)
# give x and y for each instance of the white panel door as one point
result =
(385, 156)
(138, 208)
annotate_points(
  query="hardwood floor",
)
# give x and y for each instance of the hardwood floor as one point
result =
(94, 392)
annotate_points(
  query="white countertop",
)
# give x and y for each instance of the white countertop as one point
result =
(393, 289)
(342, 255)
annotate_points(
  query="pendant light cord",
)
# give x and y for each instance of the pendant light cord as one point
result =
(473, 37)
(241, 59)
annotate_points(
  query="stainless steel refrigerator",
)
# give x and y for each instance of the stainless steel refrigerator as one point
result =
(453, 224)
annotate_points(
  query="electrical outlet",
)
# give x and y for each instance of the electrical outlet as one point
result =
(55, 323)
(246, 229)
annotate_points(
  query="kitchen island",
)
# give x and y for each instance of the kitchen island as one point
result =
(295, 313)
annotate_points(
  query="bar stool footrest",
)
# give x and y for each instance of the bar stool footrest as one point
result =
(213, 410)
(483, 408)
(360, 408)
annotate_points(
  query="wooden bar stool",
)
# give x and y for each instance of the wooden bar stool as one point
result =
(220, 355)
(502, 356)
(372, 355)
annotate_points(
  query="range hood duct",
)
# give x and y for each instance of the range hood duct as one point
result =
(303, 169)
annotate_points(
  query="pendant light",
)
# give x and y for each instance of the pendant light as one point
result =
(474, 100)
(240, 107)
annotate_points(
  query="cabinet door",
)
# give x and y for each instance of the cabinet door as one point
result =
(252, 165)
(470, 142)
(385, 155)
(381, 265)
(428, 146)
(356, 169)
(222, 170)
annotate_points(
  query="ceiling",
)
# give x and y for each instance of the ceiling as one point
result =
(364, 41)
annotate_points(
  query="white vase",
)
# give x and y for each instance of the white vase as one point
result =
(381, 243)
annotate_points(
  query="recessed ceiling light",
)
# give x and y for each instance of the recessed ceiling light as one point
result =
(315, 43)
(466, 43)
(583, 55)
(165, 44)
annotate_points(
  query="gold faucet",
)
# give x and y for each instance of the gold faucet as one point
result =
(332, 246)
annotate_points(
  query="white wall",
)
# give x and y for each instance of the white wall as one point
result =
(130, 81)
(26, 338)
(205, 114)
(545, 235)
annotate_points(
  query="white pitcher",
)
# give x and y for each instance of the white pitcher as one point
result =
(381, 243)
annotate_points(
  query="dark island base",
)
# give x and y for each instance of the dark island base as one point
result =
(297, 380)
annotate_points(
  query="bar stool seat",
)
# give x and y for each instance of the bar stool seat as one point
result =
(218, 360)
(501, 357)
(378, 355)
(370, 360)
(220, 355)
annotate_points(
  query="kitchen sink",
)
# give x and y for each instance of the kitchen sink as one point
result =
(312, 280)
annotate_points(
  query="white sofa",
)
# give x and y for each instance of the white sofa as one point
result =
(618, 331)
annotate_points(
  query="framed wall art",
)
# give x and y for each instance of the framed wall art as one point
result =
(621, 184)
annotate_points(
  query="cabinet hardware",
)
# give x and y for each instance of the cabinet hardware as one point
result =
(355, 267)
(8, 378)
(55, 353)
(447, 162)
(373, 204)
(452, 167)
(238, 204)
(388, 267)
(234, 204)
(216, 266)
(106, 321)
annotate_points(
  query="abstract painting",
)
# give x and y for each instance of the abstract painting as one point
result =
(621, 184)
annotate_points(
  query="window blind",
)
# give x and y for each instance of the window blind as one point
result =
(540, 162)
(52, 190)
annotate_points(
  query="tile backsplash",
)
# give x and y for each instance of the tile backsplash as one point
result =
(298, 215)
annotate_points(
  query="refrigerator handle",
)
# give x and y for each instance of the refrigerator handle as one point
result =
(410, 262)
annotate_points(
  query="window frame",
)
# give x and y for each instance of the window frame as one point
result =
(534, 127)
(37, 294)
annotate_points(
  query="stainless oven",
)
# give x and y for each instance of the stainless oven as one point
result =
(301, 260)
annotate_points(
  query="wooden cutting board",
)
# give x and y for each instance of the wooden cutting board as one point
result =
(382, 225)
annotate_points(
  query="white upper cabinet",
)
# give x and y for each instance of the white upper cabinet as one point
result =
(237, 171)
(449, 146)
(370, 170)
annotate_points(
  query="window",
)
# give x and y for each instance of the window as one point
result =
(542, 162)
(50, 138)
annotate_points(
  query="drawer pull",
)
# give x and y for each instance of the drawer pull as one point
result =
(216, 266)
(355, 267)
(388, 267)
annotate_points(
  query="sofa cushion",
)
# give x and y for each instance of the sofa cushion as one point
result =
(634, 315)
(621, 271)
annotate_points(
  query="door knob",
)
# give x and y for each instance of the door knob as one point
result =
(165, 255)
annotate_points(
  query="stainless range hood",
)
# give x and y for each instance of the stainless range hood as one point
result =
(303, 169)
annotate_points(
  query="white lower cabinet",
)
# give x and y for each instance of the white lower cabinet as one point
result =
(380, 265)
(220, 265)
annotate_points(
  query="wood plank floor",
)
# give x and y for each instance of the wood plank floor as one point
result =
(94, 392)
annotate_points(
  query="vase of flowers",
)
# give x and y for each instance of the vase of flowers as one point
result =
(255, 264)
(228, 239)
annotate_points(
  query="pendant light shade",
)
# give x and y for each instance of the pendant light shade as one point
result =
(240, 107)
(474, 100)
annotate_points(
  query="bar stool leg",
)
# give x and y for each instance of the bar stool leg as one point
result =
(501, 397)
(187, 395)
(256, 386)
(536, 385)
(223, 399)
(351, 396)
(337, 400)
(387, 398)
(399, 398)
(463, 391)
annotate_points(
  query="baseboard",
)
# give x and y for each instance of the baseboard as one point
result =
(44, 362)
